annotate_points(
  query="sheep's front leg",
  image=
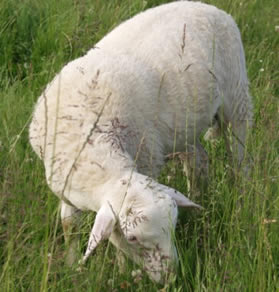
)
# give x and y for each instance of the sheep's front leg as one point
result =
(69, 218)
(121, 261)
(195, 166)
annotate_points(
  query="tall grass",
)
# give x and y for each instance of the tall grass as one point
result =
(233, 245)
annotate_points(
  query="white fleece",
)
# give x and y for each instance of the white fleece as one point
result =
(150, 86)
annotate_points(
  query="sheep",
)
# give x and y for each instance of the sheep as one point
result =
(105, 124)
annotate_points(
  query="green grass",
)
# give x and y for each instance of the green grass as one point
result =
(233, 245)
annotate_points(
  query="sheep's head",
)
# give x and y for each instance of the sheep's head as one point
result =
(144, 227)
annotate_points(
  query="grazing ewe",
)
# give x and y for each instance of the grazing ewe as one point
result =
(104, 125)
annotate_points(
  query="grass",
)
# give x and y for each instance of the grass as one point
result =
(231, 246)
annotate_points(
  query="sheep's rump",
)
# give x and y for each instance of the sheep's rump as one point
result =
(192, 54)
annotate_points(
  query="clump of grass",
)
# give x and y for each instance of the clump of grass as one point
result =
(233, 245)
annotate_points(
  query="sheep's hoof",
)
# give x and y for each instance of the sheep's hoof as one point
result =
(81, 267)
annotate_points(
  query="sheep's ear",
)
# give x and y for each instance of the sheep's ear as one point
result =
(181, 200)
(103, 226)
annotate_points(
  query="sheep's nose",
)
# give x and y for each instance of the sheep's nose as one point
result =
(166, 270)
(164, 276)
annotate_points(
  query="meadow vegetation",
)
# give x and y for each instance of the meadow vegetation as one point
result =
(232, 245)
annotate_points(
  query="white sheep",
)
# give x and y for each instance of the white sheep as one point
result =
(104, 125)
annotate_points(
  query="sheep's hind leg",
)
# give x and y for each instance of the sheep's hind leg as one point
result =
(213, 133)
(69, 218)
(234, 126)
(195, 167)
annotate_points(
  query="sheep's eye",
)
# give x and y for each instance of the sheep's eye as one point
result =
(132, 239)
